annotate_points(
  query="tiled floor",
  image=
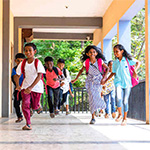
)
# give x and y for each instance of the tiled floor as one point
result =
(73, 132)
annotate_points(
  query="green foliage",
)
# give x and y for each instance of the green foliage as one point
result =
(138, 40)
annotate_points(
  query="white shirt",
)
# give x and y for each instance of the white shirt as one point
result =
(30, 75)
(67, 79)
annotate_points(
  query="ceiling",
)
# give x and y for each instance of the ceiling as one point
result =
(57, 8)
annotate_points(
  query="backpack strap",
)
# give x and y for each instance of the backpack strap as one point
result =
(64, 72)
(36, 63)
(99, 61)
(23, 67)
(87, 64)
(55, 70)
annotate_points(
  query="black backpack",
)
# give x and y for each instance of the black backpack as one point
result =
(55, 70)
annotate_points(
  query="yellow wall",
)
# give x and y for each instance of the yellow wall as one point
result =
(112, 16)
(97, 36)
(11, 57)
(1, 58)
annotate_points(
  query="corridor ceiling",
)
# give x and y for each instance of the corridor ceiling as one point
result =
(60, 8)
(57, 8)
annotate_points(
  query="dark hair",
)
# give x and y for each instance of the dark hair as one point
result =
(19, 55)
(110, 62)
(87, 49)
(125, 53)
(61, 61)
(32, 45)
(48, 58)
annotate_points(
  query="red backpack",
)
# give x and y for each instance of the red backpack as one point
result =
(100, 67)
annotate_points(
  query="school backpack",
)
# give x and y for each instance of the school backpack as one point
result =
(64, 72)
(100, 67)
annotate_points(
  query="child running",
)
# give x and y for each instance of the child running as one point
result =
(64, 85)
(32, 86)
(18, 59)
(53, 78)
(122, 79)
(108, 92)
(92, 59)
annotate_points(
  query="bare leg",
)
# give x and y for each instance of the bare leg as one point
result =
(119, 115)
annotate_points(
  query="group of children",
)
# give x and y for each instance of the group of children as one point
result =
(28, 79)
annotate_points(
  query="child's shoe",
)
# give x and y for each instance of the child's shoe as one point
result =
(113, 115)
(27, 127)
(52, 115)
(19, 120)
(39, 110)
(67, 112)
(106, 115)
(57, 112)
(92, 121)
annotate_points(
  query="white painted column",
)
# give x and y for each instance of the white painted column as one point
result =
(125, 34)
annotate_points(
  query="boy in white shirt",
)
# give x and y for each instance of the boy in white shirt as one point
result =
(32, 86)
(64, 85)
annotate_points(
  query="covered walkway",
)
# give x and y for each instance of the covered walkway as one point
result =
(73, 132)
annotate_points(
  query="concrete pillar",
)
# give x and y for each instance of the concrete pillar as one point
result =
(1, 35)
(125, 34)
(107, 49)
(5, 60)
(20, 40)
(147, 58)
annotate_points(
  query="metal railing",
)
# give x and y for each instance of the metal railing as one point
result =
(79, 103)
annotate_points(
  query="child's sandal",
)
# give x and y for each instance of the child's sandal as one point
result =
(27, 127)
(39, 110)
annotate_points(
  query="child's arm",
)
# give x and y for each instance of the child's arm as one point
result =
(110, 76)
(138, 63)
(70, 91)
(16, 79)
(80, 72)
(28, 90)
(105, 75)
(59, 79)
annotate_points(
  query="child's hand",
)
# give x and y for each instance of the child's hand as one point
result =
(103, 81)
(134, 75)
(104, 87)
(73, 81)
(62, 84)
(72, 95)
(27, 90)
(55, 79)
(18, 88)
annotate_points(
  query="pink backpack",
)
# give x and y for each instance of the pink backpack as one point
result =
(100, 67)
